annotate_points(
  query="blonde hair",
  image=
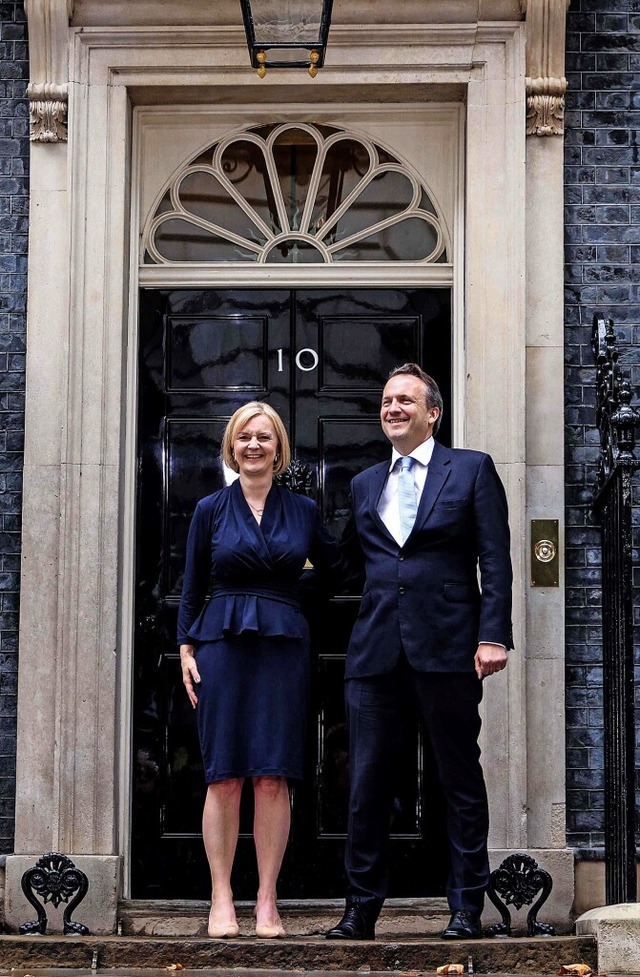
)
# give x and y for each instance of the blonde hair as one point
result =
(240, 419)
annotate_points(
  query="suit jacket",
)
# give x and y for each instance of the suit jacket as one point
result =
(424, 597)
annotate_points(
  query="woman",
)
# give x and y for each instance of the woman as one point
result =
(245, 652)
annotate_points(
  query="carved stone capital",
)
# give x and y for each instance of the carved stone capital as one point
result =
(546, 84)
(48, 113)
(545, 106)
(48, 22)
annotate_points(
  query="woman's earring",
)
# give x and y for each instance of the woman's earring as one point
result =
(276, 459)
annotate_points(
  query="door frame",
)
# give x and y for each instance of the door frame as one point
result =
(363, 275)
(72, 793)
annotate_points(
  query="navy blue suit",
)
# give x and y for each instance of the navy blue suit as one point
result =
(422, 616)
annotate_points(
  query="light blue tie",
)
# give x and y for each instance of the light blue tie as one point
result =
(407, 497)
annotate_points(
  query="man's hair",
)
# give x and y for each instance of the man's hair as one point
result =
(433, 396)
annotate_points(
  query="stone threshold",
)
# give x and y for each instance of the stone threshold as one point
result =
(412, 955)
(302, 917)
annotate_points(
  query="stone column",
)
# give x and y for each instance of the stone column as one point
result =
(545, 85)
(66, 755)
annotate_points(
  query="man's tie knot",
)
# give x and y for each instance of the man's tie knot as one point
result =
(407, 463)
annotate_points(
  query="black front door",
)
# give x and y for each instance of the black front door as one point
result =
(320, 358)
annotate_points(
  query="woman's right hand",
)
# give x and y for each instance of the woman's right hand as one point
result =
(190, 673)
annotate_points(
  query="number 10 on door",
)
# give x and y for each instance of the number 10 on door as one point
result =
(306, 359)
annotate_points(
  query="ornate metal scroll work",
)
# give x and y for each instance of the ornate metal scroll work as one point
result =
(297, 478)
(55, 878)
(614, 510)
(518, 880)
(246, 168)
(47, 113)
(616, 419)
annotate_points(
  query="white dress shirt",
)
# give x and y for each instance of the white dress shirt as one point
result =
(388, 507)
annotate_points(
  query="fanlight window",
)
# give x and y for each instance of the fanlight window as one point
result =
(294, 193)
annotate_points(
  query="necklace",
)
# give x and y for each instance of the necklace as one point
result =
(258, 511)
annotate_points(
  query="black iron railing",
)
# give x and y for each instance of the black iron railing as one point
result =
(617, 420)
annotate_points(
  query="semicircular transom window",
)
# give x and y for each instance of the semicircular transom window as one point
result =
(294, 193)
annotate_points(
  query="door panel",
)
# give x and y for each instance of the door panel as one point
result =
(321, 359)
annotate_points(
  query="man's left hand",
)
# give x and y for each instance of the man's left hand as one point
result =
(489, 659)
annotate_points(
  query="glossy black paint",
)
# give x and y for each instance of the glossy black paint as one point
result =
(320, 359)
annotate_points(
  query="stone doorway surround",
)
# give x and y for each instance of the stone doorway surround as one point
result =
(91, 63)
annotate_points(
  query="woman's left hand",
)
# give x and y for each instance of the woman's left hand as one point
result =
(190, 673)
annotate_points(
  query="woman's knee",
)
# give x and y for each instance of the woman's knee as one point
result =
(226, 788)
(270, 787)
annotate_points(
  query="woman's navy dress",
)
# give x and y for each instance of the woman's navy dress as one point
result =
(251, 638)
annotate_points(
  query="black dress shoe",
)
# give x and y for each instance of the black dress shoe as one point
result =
(463, 925)
(354, 925)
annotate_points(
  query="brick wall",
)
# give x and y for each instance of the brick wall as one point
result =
(602, 237)
(14, 201)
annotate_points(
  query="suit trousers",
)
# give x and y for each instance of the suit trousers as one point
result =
(448, 706)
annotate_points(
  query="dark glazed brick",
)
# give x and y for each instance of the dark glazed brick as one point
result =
(573, 155)
(613, 215)
(580, 138)
(611, 42)
(608, 63)
(607, 24)
(608, 273)
(579, 174)
(612, 253)
(581, 22)
(613, 119)
(612, 174)
(610, 155)
(580, 100)
(580, 215)
(582, 254)
(613, 100)
(14, 189)
(602, 217)
(609, 76)
(612, 137)
(579, 62)
(611, 234)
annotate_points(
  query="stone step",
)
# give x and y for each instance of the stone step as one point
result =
(409, 956)
(401, 917)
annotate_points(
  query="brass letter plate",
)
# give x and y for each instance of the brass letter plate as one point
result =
(545, 553)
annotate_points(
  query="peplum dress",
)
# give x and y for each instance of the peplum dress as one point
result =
(251, 638)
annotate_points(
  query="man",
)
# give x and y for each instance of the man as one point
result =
(427, 631)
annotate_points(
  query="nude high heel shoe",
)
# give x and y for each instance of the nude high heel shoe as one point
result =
(221, 931)
(270, 932)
